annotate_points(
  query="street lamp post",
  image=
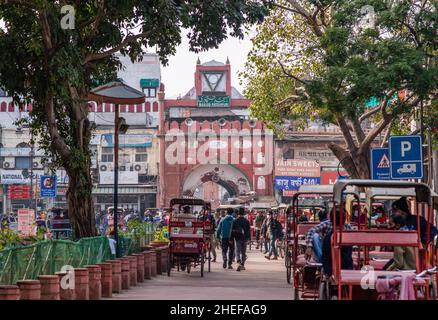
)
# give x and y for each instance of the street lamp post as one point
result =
(117, 92)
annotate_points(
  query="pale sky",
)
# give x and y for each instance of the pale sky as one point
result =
(178, 75)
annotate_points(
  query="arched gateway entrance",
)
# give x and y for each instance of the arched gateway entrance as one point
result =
(215, 183)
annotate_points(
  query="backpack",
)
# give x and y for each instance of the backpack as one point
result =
(238, 232)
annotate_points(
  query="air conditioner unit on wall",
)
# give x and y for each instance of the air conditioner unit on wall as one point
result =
(8, 165)
(36, 165)
(140, 167)
(106, 167)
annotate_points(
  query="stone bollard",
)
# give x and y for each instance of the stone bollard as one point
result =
(29, 289)
(106, 279)
(95, 285)
(126, 273)
(140, 266)
(158, 260)
(66, 292)
(49, 287)
(147, 264)
(116, 268)
(153, 263)
(9, 292)
(133, 270)
(82, 290)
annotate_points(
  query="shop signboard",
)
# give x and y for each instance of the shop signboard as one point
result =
(125, 177)
(26, 222)
(297, 168)
(128, 140)
(19, 176)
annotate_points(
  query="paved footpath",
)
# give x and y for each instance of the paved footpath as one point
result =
(262, 280)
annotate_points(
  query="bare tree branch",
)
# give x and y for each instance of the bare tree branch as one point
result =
(357, 129)
(128, 39)
(287, 73)
(346, 133)
(369, 114)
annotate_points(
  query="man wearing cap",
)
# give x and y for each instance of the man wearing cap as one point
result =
(401, 207)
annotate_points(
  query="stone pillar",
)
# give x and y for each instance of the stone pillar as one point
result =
(66, 293)
(29, 289)
(94, 284)
(107, 279)
(140, 266)
(49, 287)
(82, 290)
(9, 292)
(133, 270)
(116, 268)
(126, 273)
(147, 264)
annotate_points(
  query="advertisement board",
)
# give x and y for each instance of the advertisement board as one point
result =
(297, 168)
(26, 222)
(128, 140)
(125, 177)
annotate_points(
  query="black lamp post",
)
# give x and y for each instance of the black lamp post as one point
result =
(117, 93)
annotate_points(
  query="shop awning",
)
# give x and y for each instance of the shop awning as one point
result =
(146, 189)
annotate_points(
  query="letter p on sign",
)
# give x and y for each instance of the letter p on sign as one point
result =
(406, 146)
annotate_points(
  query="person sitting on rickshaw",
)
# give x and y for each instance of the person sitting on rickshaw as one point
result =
(303, 217)
(401, 208)
(346, 251)
(315, 236)
(404, 257)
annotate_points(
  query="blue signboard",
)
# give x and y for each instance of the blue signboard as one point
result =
(48, 186)
(380, 164)
(406, 157)
(293, 183)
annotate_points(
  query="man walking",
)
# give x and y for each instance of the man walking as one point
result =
(241, 233)
(227, 243)
(274, 232)
(258, 227)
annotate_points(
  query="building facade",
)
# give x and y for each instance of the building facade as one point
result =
(210, 147)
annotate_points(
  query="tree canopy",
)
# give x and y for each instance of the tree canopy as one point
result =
(334, 56)
(54, 67)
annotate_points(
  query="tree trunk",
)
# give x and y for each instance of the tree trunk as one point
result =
(80, 203)
(356, 164)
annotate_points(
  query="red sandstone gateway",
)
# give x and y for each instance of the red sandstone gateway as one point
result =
(187, 234)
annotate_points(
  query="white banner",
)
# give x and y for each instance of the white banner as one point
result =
(125, 177)
(17, 177)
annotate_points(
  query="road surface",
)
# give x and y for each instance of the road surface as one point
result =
(262, 280)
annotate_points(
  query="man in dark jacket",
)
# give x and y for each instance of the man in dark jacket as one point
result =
(401, 207)
(274, 232)
(241, 233)
(223, 233)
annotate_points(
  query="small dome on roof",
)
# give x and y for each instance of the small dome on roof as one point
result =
(212, 63)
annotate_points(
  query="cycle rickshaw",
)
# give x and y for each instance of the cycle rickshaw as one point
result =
(346, 282)
(187, 235)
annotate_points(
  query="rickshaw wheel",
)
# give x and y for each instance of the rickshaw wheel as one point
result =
(296, 294)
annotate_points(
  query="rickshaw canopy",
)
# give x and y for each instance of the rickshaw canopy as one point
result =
(420, 191)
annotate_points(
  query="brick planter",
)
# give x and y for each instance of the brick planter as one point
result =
(64, 292)
(9, 292)
(133, 270)
(82, 290)
(49, 287)
(140, 266)
(107, 279)
(153, 263)
(95, 285)
(29, 289)
(116, 268)
(126, 273)
(147, 264)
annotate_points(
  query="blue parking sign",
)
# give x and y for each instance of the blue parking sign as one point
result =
(380, 164)
(406, 156)
(48, 186)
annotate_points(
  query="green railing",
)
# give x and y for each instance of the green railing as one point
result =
(47, 257)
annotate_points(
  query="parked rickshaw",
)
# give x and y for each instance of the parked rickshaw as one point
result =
(347, 281)
(187, 235)
(306, 283)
